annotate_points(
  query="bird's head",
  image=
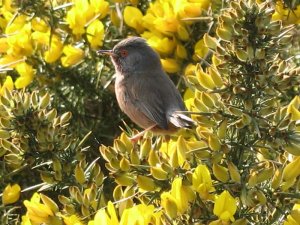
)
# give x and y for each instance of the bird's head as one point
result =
(133, 56)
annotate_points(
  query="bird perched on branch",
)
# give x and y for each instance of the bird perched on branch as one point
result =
(144, 91)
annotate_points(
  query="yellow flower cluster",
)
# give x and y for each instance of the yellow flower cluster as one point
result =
(167, 27)
(25, 38)
(139, 214)
(286, 14)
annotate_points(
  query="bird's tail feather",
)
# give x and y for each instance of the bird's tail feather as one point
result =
(181, 120)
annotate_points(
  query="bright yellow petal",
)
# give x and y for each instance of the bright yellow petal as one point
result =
(11, 194)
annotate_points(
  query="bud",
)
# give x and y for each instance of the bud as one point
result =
(4, 134)
(146, 183)
(49, 203)
(277, 179)
(210, 42)
(51, 115)
(222, 129)
(224, 34)
(44, 101)
(124, 164)
(207, 100)
(153, 158)
(124, 179)
(64, 200)
(47, 177)
(291, 170)
(34, 99)
(85, 211)
(220, 172)
(79, 174)
(204, 79)
(145, 148)
(118, 193)
(234, 172)
(169, 204)
(214, 142)
(241, 55)
(64, 118)
(293, 149)
(134, 157)
(120, 146)
(11, 194)
(216, 77)
(158, 173)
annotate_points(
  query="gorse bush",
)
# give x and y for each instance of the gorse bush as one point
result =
(65, 160)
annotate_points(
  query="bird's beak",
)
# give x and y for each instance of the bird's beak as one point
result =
(106, 52)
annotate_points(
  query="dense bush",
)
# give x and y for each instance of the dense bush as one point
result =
(65, 152)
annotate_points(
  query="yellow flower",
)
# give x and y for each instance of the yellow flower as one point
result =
(190, 8)
(161, 17)
(100, 7)
(160, 43)
(26, 73)
(189, 99)
(202, 182)
(76, 21)
(181, 51)
(167, 24)
(40, 213)
(3, 45)
(79, 15)
(83, 11)
(11, 194)
(54, 51)
(41, 39)
(182, 32)
(287, 15)
(8, 84)
(225, 206)
(72, 220)
(170, 65)
(95, 33)
(26, 220)
(38, 24)
(19, 38)
(293, 108)
(179, 194)
(294, 217)
(106, 217)
(10, 61)
(16, 25)
(190, 70)
(133, 18)
(168, 202)
(140, 214)
(51, 51)
(7, 13)
(291, 170)
(200, 50)
(72, 56)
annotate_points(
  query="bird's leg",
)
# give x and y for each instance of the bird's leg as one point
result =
(137, 137)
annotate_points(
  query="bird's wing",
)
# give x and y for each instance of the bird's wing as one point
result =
(147, 95)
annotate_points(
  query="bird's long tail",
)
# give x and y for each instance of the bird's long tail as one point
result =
(181, 120)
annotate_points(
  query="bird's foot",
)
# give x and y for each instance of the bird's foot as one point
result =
(138, 136)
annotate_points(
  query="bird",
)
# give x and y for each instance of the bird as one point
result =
(144, 92)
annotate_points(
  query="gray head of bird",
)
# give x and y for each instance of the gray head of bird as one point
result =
(133, 56)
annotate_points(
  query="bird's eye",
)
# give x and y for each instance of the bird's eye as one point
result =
(123, 52)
